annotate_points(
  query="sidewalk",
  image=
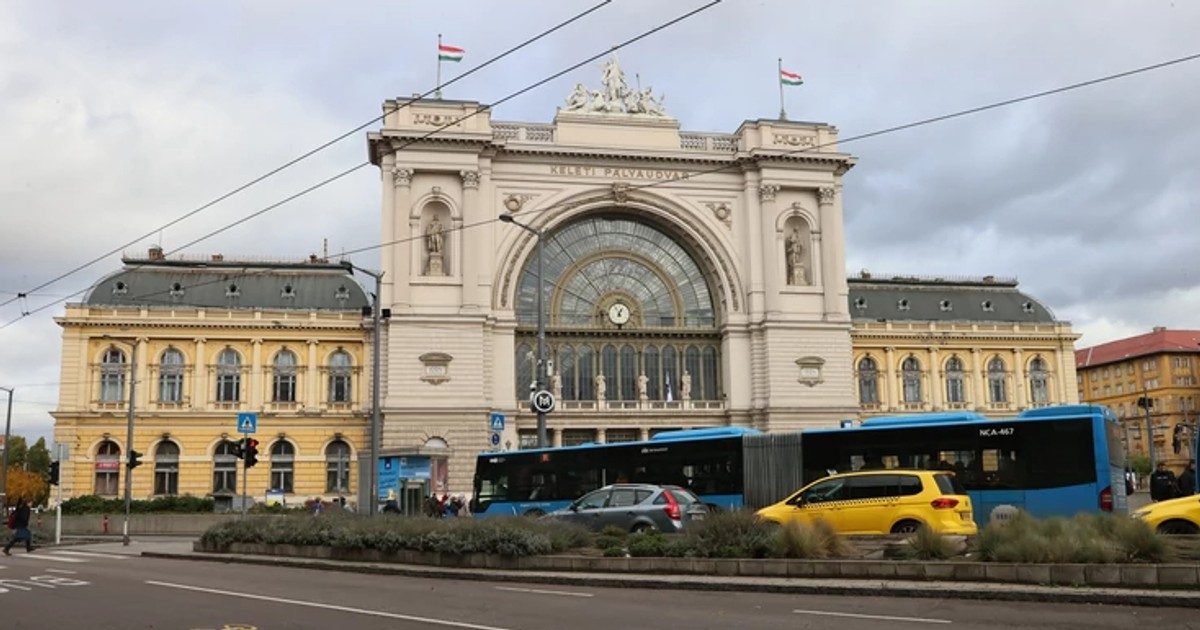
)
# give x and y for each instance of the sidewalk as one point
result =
(811, 586)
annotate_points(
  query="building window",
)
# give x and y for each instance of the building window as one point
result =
(613, 436)
(996, 386)
(112, 376)
(945, 305)
(629, 373)
(575, 437)
(910, 375)
(651, 366)
(527, 438)
(283, 466)
(225, 468)
(284, 379)
(566, 372)
(337, 467)
(902, 305)
(868, 381)
(166, 468)
(108, 468)
(1039, 382)
(955, 379)
(988, 306)
(587, 373)
(229, 376)
(170, 376)
(339, 377)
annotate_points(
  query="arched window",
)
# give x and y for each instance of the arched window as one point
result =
(1039, 380)
(996, 386)
(229, 376)
(629, 373)
(225, 468)
(691, 365)
(112, 376)
(670, 364)
(337, 467)
(868, 381)
(170, 376)
(608, 367)
(525, 360)
(587, 373)
(284, 379)
(910, 375)
(651, 368)
(955, 380)
(166, 468)
(340, 367)
(108, 468)
(566, 372)
(711, 389)
(283, 466)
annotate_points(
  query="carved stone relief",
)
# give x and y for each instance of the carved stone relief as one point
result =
(766, 192)
(436, 367)
(402, 176)
(470, 179)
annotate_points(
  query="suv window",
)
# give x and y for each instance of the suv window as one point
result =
(623, 497)
(642, 495)
(831, 490)
(871, 487)
(685, 497)
(909, 485)
(592, 501)
(948, 484)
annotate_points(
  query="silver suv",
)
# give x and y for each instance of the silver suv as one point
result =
(635, 507)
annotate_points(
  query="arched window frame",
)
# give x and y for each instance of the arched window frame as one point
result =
(1039, 381)
(166, 468)
(341, 370)
(284, 367)
(956, 392)
(283, 466)
(107, 469)
(338, 461)
(112, 375)
(171, 364)
(868, 381)
(910, 379)
(229, 376)
(225, 468)
(997, 385)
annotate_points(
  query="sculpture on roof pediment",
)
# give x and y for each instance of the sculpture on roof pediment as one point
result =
(615, 96)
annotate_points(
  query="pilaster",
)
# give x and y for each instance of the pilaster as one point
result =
(255, 399)
(1020, 396)
(200, 393)
(890, 375)
(833, 257)
(312, 378)
(935, 376)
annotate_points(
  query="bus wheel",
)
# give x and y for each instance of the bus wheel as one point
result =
(906, 527)
(1178, 528)
(535, 513)
(643, 528)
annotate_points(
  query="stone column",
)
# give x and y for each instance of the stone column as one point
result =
(935, 377)
(312, 379)
(752, 222)
(255, 399)
(890, 375)
(601, 436)
(1019, 396)
(142, 373)
(978, 386)
(833, 257)
(200, 393)
(401, 253)
(643, 434)
(471, 251)
(556, 439)
(388, 222)
(761, 255)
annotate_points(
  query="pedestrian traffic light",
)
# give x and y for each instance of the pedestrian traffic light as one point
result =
(135, 459)
(54, 473)
(251, 452)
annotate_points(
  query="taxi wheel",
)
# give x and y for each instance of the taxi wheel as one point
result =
(906, 527)
(1178, 528)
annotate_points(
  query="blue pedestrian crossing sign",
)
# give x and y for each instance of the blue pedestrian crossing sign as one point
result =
(497, 421)
(247, 423)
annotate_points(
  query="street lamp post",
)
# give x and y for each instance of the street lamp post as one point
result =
(4, 464)
(376, 317)
(132, 343)
(541, 325)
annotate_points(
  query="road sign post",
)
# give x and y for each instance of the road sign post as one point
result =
(542, 401)
(247, 423)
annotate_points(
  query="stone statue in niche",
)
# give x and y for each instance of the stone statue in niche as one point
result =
(556, 385)
(793, 249)
(642, 382)
(435, 242)
(601, 388)
(685, 385)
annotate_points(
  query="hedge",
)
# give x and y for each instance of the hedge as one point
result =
(92, 504)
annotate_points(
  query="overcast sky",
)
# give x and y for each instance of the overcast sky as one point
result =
(116, 117)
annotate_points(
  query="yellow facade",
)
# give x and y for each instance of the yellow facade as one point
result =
(309, 415)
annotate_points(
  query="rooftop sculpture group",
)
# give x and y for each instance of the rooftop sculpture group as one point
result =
(615, 97)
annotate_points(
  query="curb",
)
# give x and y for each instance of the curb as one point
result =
(798, 586)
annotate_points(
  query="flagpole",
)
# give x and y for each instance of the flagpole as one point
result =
(779, 78)
(438, 90)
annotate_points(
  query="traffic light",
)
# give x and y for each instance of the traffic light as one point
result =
(251, 452)
(239, 448)
(54, 473)
(1145, 402)
(135, 459)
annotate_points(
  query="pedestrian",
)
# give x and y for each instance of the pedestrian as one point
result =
(18, 521)
(1187, 480)
(1163, 484)
(1128, 482)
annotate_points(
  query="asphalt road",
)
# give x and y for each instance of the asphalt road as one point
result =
(105, 586)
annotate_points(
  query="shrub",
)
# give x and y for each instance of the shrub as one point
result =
(614, 552)
(926, 544)
(92, 504)
(1086, 538)
(734, 534)
(648, 544)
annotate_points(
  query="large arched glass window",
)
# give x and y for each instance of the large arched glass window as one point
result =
(108, 468)
(566, 372)
(609, 369)
(525, 360)
(587, 373)
(650, 368)
(711, 390)
(225, 468)
(997, 390)
(337, 467)
(283, 381)
(112, 376)
(170, 376)
(629, 373)
(955, 380)
(910, 376)
(229, 376)
(691, 365)
(1039, 379)
(670, 364)
(340, 369)
(283, 466)
(166, 468)
(868, 381)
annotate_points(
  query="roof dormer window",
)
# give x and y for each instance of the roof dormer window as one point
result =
(1027, 307)
(988, 306)
(946, 306)
(176, 290)
(342, 294)
(289, 291)
(120, 288)
(233, 290)
(902, 304)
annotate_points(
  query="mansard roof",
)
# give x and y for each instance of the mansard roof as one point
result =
(919, 298)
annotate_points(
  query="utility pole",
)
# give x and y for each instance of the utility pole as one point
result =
(58, 507)
(4, 464)
(1145, 404)
(129, 441)
(376, 350)
(507, 217)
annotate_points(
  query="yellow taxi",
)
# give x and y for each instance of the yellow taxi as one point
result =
(1173, 516)
(880, 502)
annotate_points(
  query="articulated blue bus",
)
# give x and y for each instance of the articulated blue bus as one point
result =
(1052, 461)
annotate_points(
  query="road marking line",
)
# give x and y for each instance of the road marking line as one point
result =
(63, 571)
(542, 591)
(299, 602)
(881, 617)
(42, 556)
(93, 554)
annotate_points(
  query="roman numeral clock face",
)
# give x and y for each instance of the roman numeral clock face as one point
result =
(618, 314)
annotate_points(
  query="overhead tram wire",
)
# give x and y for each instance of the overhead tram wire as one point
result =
(333, 178)
(306, 155)
(735, 164)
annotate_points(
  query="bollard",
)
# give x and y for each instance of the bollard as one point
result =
(104, 523)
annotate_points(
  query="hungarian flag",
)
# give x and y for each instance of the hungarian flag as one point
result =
(790, 78)
(450, 53)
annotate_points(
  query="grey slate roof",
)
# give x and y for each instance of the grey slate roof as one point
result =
(933, 299)
(230, 284)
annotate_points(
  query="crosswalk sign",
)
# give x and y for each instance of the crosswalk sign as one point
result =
(247, 423)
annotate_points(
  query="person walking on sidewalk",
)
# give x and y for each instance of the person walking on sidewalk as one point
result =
(18, 521)
(1163, 484)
